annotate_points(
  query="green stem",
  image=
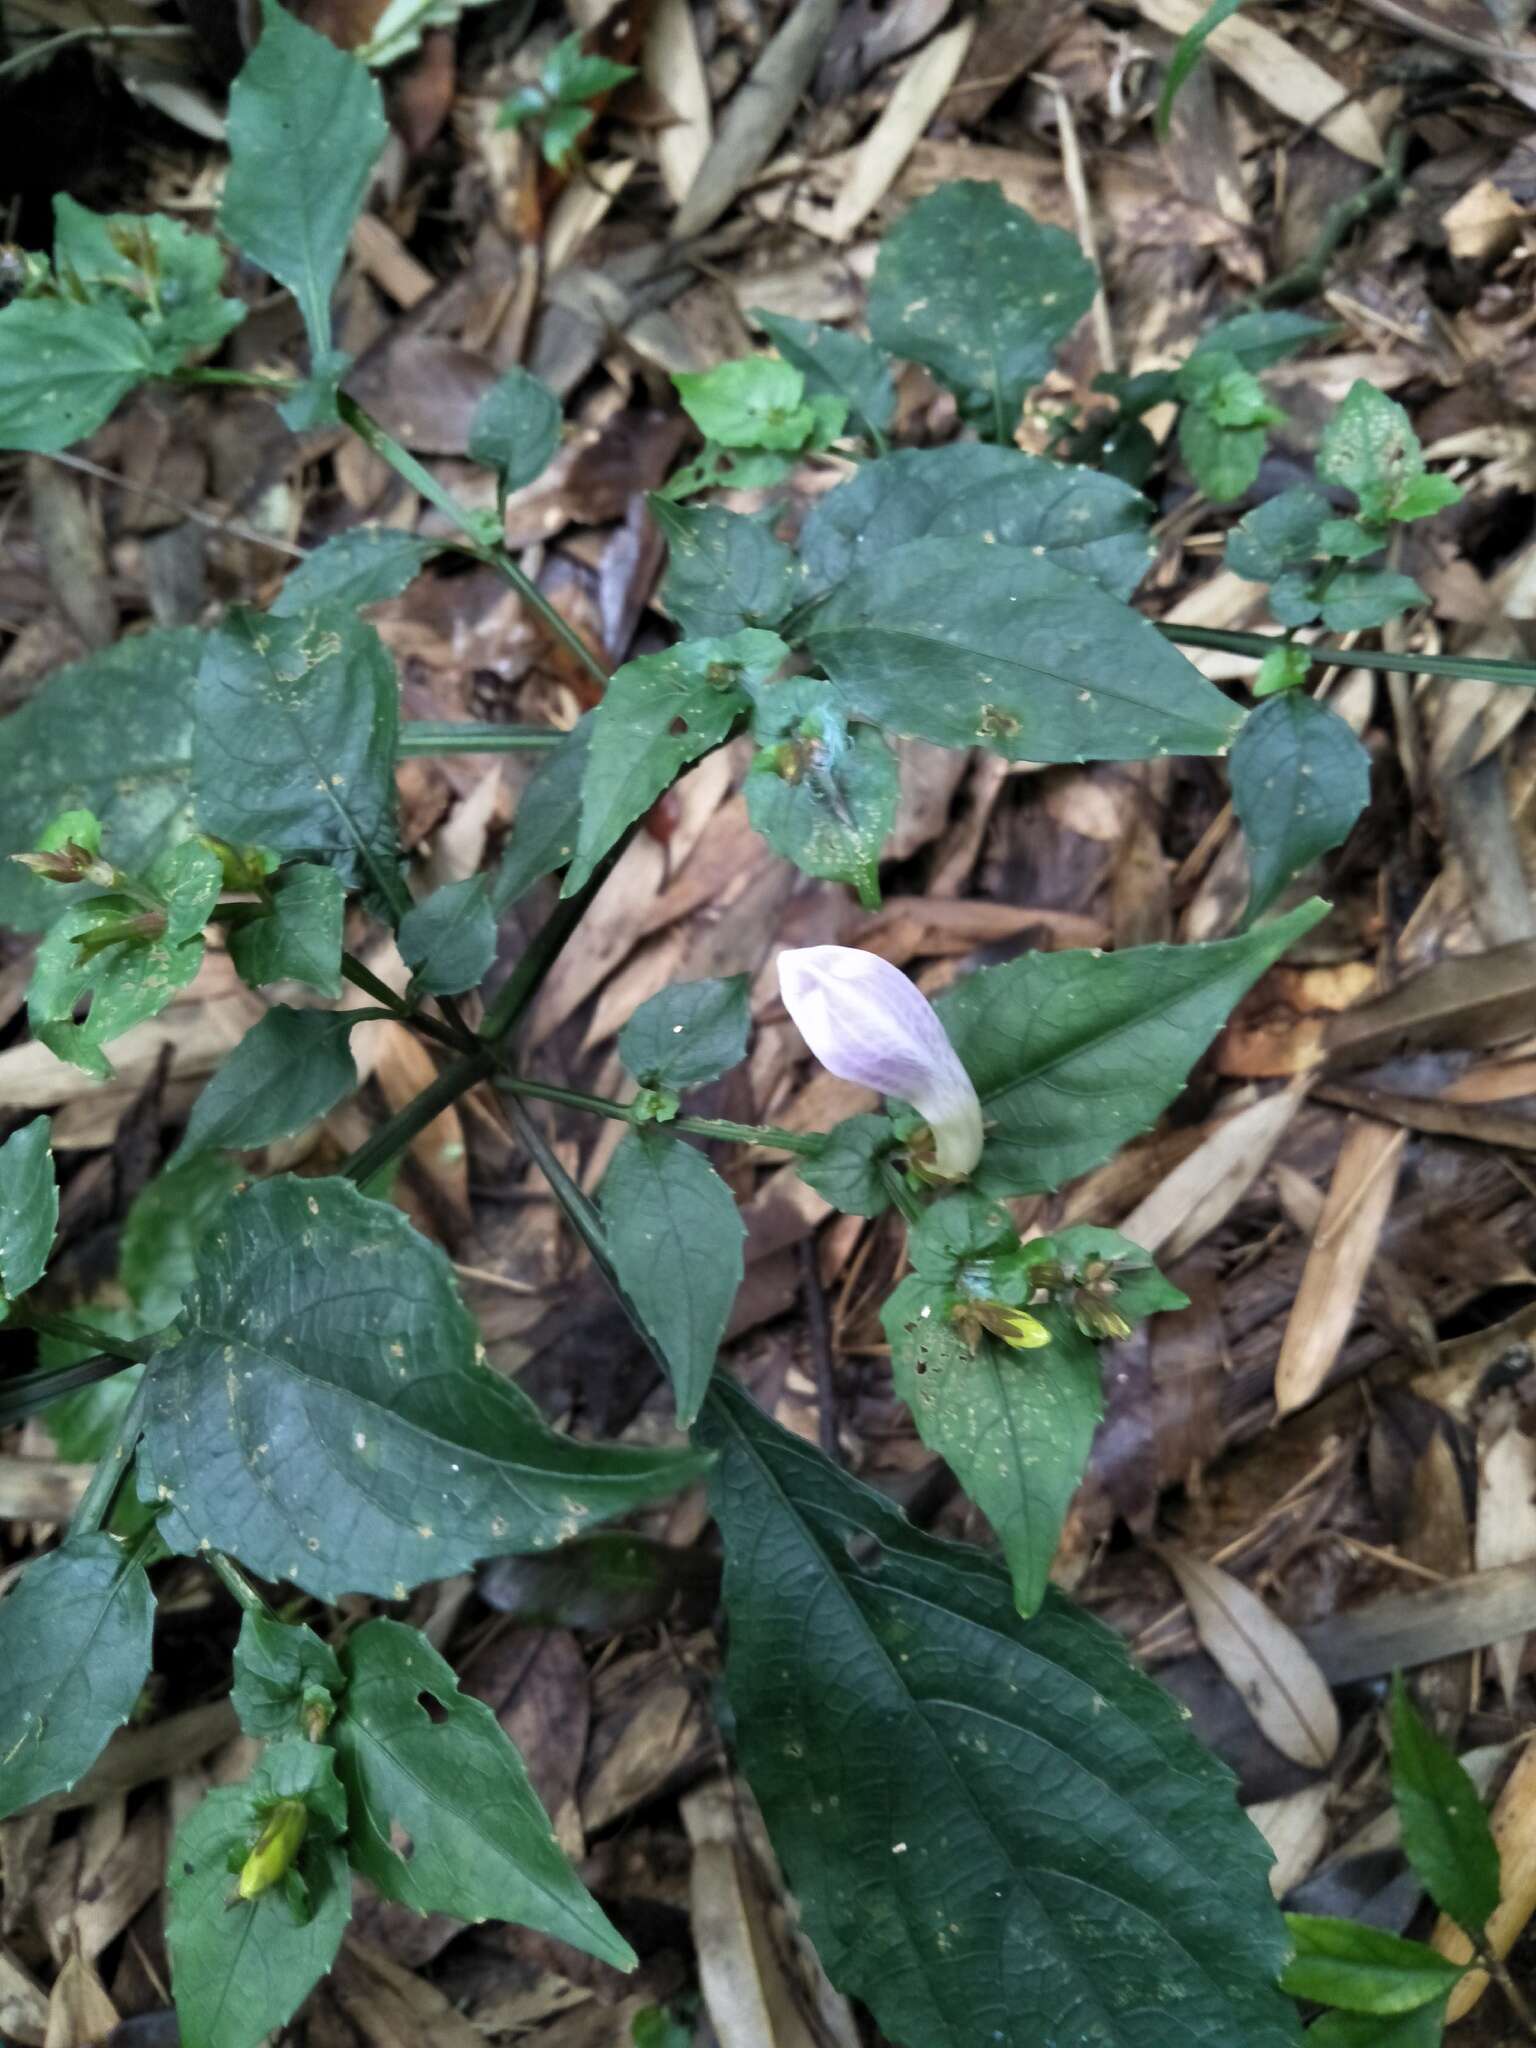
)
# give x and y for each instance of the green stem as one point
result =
(364, 978)
(114, 1462)
(1518, 674)
(238, 1585)
(896, 1187)
(37, 53)
(242, 380)
(405, 465)
(695, 1126)
(134, 1350)
(24, 1393)
(449, 736)
(407, 1124)
(1307, 277)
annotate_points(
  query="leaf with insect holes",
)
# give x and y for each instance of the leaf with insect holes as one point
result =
(688, 1034)
(1445, 1830)
(822, 792)
(29, 1208)
(836, 364)
(724, 570)
(658, 714)
(421, 1758)
(976, 1813)
(675, 1238)
(1369, 447)
(980, 294)
(1300, 779)
(326, 1416)
(296, 935)
(241, 1967)
(74, 1651)
(969, 645)
(1078, 518)
(291, 1068)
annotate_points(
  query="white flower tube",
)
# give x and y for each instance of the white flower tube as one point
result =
(866, 1022)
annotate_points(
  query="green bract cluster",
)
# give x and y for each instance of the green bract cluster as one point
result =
(1000, 1831)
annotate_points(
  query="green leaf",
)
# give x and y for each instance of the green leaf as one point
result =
(63, 369)
(1186, 56)
(481, 1844)
(306, 122)
(297, 720)
(449, 938)
(1445, 1830)
(754, 402)
(724, 571)
(326, 1417)
(715, 468)
(1349, 539)
(1224, 461)
(837, 364)
(1286, 667)
(113, 735)
(1284, 529)
(74, 1651)
(997, 1830)
(548, 817)
(241, 1967)
(1260, 339)
(1015, 1427)
(125, 982)
(1369, 447)
(1364, 1969)
(1077, 517)
(1075, 1053)
(1422, 2028)
(675, 1237)
(1139, 1289)
(658, 714)
(1358, 599)
(29, 1207)
(569, 74)
(982, 295)
(399, 29)
(822, 793)
(187, 880)
(1293, 597)
(515, 430)
(156, 269)
(283, 1673)
(689, 1034)
(289, 1070)
(163, 1230)
(847, 1170)
(970, 645)
(298, 936)
(363, 566)
(1300, 779)
(1219, 383)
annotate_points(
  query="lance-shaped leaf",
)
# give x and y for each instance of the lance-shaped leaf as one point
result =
(1300, 779)
(1364, 1969)
(326, 1417)
(968, 645)
(1074, 1053)
(999, 1833)
(288, 1070)
(1079, 518)
(449, 938)
(361, 567)
(422, 1761)
(1445, 1830)
(74, 1651)
(548, 818)
(29, 1208)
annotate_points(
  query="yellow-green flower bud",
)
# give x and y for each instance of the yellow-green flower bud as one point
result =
(277, 1848)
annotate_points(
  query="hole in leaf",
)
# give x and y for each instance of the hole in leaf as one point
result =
(863, 1549)
(678, 727)
(401, 1841)
(82, 1006)
(432, 1707)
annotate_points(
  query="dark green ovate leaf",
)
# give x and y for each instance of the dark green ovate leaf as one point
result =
(297, 720)
(1445, 1830)
(675, 1237)
(1074, 1053)
(480, 1844)
(163, 1230)
(982, 295)
(1350, 540)
(754, 402)
(449, 938)
(1300, 779)
(1259, 339)
(999, 1833)
(822, 793)
(1079, 518)
(837, 363)
(1364, 1969)
(1369, 447)
(548, 814)
(361, 567)
(724, 571)
(1220, 385)
(288, 1071)
(658, 714)
(29, 1207)
(287, 1681)
(240, 1967)
(1293, 598)
(1015, 1427)
(689, 1034)
(515, 430)
(1423, 2028)
(326, 1417)
(74, 1651)
(63, 369)
(1359, 599)
(970, 645)
(187, 880)
(113, 735)
(160, 273)
(1284, 529)
(297, 937)
(847, 1170)
(126, 981)
(1224, 461)
(306, 122)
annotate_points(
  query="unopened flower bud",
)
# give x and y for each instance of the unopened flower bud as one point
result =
(866, 1022)
(1015, 1327)
(277, 1848)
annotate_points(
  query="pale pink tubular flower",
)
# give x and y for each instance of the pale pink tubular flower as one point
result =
(866, 1022)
